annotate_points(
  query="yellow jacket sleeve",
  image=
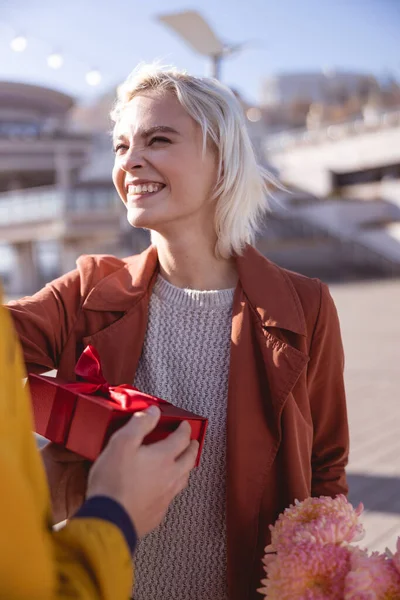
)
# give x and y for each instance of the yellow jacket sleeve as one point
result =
(87, 559)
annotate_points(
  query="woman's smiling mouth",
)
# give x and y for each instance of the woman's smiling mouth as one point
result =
(144, 189)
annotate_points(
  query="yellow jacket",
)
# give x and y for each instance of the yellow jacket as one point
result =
(87, 559)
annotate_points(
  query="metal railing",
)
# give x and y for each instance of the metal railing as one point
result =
(48, 203)
(333, 131)
(28, 206)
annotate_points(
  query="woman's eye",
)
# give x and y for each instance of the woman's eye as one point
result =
(157, 138)
(119, 147)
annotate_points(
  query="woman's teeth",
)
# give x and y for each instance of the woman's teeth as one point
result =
(144, 188)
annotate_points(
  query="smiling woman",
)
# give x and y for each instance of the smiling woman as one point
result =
(204, 321)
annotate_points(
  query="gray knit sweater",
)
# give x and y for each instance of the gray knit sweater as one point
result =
(185, 360)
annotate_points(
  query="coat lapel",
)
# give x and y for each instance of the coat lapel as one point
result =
(120, 344)
(263, 371)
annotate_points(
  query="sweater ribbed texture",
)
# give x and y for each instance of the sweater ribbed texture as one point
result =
(185, 360)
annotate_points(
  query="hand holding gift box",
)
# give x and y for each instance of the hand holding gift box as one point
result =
(82, 416)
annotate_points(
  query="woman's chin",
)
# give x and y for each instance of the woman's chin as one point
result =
(142, 219)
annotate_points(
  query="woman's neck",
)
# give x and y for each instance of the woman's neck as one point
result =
(191, 263)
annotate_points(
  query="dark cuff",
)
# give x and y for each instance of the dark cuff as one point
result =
(103, 507)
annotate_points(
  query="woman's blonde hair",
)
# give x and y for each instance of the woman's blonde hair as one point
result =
(241, 188)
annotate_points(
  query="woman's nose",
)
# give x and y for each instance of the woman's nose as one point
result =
(133, 160)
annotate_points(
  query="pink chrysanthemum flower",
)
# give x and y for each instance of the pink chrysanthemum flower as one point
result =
(396, 556)
(372, 577)
(320, 520)
(307, 572)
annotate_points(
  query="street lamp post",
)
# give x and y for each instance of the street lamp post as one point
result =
(196, 32)
(216, 61)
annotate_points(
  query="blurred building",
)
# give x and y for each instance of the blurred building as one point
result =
(329, 87)
(48, 213)
(313, 99)
(359, 158)
(349, 177)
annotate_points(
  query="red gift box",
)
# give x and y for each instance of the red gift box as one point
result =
(82, 416)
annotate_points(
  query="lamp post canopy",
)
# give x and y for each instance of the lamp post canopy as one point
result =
(196, 32)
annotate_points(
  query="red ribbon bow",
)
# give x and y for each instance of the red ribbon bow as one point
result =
(128, 397)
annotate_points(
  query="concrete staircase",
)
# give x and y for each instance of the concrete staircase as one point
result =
(335, 238)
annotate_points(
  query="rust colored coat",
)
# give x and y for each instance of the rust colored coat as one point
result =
(287, 432)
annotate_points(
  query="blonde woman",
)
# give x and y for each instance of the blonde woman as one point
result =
(204, 321)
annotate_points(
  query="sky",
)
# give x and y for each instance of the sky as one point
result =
(113, 36)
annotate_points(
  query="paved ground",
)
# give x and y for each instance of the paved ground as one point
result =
(370, 318)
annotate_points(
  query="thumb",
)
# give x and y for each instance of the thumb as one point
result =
(142, 423)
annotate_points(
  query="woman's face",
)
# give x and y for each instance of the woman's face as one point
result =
(160, 172)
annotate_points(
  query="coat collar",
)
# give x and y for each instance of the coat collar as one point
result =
(267, 287)
(270, 292)
(120, 290)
